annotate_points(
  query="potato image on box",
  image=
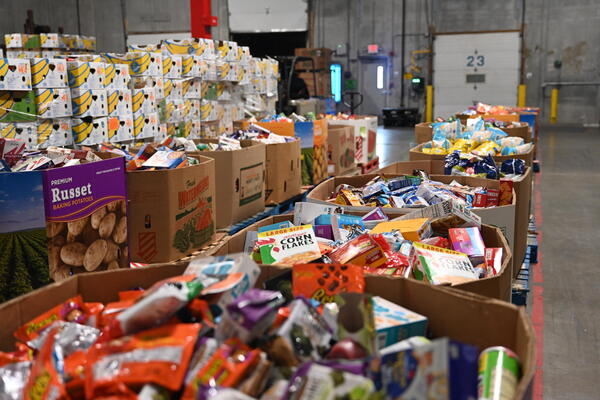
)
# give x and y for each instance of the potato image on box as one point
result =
(54, 132)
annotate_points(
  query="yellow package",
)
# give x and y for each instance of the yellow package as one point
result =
(487, 148)
(411, 229)
(435, 150)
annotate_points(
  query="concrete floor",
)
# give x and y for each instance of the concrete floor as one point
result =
(565, 299)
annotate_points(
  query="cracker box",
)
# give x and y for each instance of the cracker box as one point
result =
(90, 131)
(25, 131)
(49, 73)
(120, 128)
(61, 235)
(173, 89)
(54, 132)
(150, 82)
(145, 126)
(288, 246)
(85, 74)
(15, 74)
(172, 66)
(21, 41)
(50, 41)
(144, 101)
(17, 106)
(89, 103)
(394, 323)
(53, 103)
(119, 103)
(116, 76)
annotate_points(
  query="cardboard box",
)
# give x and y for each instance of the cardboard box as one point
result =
(49, 73)
(179, 46)
(241, 175)
(15, 74)
(416, 154)
(53, 103)
(498, 287)
(144, 101)
(321, 57)
(50, 41)
(21, 41)
(189, 129)
(365, 136)
(189, 66)
(173, 89)
(90, 131)
(465, 317)
(207, 110)
(25, 131)
(17, 106)
(172, 211)
(85, 75)
(151, 82)
(56, 207)
(340, 150)
(424, 132)
(140, 63)
(89, 103)
(54, 132)
(116, 76)
(283, 172)
(192, 88)
(119, 102)
(321, 79)
(120, 128)
(497, 117)
(145, 125)
(172, 66)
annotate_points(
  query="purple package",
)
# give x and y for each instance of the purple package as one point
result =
(376, 215)
(324, 231)
(463, 362)
(468, 241)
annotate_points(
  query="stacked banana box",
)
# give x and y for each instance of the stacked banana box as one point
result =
(261, 93)
(46, 45)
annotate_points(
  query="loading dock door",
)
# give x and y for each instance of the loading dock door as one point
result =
(475, 67)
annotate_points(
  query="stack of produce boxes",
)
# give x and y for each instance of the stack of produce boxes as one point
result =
(47, 45)
(17, 115)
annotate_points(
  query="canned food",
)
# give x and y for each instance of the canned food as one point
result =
(499, 373)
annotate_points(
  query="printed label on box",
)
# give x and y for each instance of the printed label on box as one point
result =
(92, 132)
(49, 73)
(251, 183)
(120, 128)
(15, 74)
(89, 103)
(119, 102)
(54, 132)
(53, 103)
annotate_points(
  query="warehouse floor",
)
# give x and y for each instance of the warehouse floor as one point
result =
(565, 297)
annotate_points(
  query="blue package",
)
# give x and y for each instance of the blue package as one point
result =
(323, 219)
(514, 166)
(463, 362)
(450, 161)
(488, 167)
(273, 227)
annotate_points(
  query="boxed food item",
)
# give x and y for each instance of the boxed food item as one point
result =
(395, 323)
(120, 128)
(116, 76)
(89, 103)
(15, 74)
(179, 47)
(53, 103)
(90, 131)
(54, 132)
(288, 246)
(49, 73)
(85, 75)
(119, 102)
(17, 106)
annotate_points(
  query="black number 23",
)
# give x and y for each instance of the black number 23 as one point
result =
(475, 61)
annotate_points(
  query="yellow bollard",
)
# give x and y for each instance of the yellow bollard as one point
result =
(429, 104)
(553, 106)
(522, 94)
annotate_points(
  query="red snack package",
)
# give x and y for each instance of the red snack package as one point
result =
(16, 356)
(130, 294)
(159, 356)
(74, 374)
(506, 192)
(362, 251)
(397, 264)
(493, 260)
(45, 381)
(227, 367)
(111, 310)
(493, 197)
(322, 282)
(437, 241)
(72, 310)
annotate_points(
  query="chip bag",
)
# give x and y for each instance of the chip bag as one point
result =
(45, 381)
(322, 282)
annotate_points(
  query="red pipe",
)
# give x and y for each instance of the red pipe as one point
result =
(201, 19)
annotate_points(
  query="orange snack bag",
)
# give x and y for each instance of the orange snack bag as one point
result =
(160, 356)
(322, 282)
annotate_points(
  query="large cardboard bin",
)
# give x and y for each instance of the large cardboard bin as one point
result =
(498, 287)
(172, 211)
(340, 150)
(522, 188)
(283, 172)
(365, 136)
(424, 132)
(240, 191)
(462, 316)
(46, 223)
(416, 154)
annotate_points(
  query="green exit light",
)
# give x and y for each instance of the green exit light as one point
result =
(416, 80)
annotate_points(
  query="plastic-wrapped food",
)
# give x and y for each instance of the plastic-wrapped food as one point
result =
(14, 373)
(487, 148)
(322, 282)
(45, 380)
(511, 141)
(514, 166)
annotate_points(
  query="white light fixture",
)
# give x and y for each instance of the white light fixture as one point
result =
(380, 77)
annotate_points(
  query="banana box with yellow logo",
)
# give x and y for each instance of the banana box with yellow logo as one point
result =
(162, 132)
(147, 48)
(53, 103)
(120, 128)
(54, 53)
(23, 54)
(227, 50)
(206, 49)
(172, 66)
(85, 75)
(200, 68)
(89, 43)
(116, 76)
(207, 110)
(243, 74)
(89, 131)
(50, 41)
(244, 54)
(179, 46)
(119, 103)
(48, 73)
(173, 110)
(192, 88)
(223, 69)
(145, 126)
(17, 106)
(72, 42)
(144, 101)
(191, 109)
(173, 89)
(223, 91)
(140, 63)
(25, 131)
(89, 103)
(22, 41)
(151, 82)
(15, 74)
(54, 132)
(209, 130)
(189, 66)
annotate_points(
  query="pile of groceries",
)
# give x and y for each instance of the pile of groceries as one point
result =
(476, 138)
(444, 250)
(483, 108)
(409, 191)
(209, 333)
(489, 123)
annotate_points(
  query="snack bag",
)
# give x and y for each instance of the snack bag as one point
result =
(14, 373)
(487, 149)
(322, 282)
(510, 141)
(45, 380)
(289, 246)
(493, 260)
(160, 356)
(442, 266)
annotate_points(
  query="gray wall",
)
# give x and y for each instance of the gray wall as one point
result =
(555, 30)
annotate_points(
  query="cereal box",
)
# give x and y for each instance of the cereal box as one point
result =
(289, 246)
(394, 323)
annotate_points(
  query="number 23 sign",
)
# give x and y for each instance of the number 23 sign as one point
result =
(476, 61)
